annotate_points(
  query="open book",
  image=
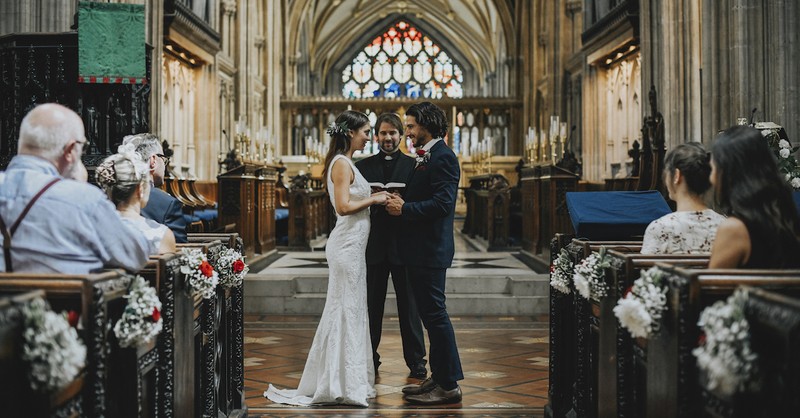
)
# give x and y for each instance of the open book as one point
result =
(389, 187)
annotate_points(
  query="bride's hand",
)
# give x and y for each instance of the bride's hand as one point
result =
(380, 198)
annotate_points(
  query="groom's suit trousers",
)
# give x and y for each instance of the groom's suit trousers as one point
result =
(428, 286)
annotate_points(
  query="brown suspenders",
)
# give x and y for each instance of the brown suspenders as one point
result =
(8, 233)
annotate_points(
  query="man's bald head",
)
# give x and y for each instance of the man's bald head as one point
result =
(48, 129)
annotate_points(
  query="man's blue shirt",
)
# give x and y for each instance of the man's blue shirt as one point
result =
(73, 228)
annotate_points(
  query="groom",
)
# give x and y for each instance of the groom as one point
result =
(425, 246)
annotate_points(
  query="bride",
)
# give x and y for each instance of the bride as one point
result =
(339, 367)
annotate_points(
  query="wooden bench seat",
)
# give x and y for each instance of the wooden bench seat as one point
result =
(667, 366)
(120, 382)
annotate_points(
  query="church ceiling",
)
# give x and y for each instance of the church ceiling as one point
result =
(328, 33)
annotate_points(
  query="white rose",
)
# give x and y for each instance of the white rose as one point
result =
(796, 182)
(785, 153)
(784, 144)
(633, 315)
(788, 177)
(582, 285)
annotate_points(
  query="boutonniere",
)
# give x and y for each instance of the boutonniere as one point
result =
(423, 156)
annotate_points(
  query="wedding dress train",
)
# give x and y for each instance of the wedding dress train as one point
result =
(339, 367)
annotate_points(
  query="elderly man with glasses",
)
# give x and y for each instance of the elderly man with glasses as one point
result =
(161, 207)
(51, 223)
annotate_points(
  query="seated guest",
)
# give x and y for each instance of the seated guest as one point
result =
(762, 227)
(51, 224)
(692, 227)
(161, 207)
(126, 180)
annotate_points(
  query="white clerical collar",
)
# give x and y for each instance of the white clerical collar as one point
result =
(430, 144)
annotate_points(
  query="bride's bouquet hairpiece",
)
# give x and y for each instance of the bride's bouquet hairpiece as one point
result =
(589, 276)
(561, 272)
(51, 348)
(230, 265)
(337, 129)
(640, 310)
(200, 275)
(141, 319)
(725, 358)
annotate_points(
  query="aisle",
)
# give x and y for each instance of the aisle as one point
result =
(504, 360)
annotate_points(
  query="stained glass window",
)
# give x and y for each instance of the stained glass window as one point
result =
(402, 62)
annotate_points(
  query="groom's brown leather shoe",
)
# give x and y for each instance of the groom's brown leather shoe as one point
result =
(427, 385)
(437, 396)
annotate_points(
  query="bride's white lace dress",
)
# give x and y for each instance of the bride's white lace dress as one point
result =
(339, 365)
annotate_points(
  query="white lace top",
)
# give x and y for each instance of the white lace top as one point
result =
(152, 230)
(685, 232)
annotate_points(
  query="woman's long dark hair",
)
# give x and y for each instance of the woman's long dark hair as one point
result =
(349, 120)
(750, 188)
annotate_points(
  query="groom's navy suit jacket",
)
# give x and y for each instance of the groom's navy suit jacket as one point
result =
(425, 238)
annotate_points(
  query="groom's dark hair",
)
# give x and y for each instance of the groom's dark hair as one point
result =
(430, 117)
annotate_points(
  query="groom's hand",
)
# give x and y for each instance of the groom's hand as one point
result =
(395, 205)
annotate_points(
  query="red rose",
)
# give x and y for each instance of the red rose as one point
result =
(156, 314)
(420, 152)
(627, 291)
(72, 318)
(206, 269)
(701, 341)
(552, 268)
(238, 266)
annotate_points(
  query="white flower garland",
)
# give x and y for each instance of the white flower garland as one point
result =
(141, 320)
(640, 310)
(51, 348)
(784, 152)
(561, 272)
(231, 267)
(200, 275)
(589, 277)
(725, 358)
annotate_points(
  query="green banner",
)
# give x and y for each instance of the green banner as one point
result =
(111, 47)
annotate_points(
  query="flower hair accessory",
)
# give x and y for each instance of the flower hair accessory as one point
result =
(561, 272)
(141, 320)
(589, 276)
(640, 310)
(200, 275)
(725, 357)
(51, 348)
(139, 166)
(106, 173)
(230, 265)
(337, 129)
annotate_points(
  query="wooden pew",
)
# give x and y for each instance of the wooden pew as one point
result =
(668, 366)
(488, 215)
(569, 322)
(310, 216)
(229, 334)
(612, 371)
(120, 382)
(775, 336)
(176, 355)
(16, 396)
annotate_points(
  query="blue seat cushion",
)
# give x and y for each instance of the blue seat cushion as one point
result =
(614, 216)
(190, 218)
(207, 214)
(281, 213)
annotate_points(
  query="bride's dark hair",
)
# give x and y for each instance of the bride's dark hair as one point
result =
(349, 120)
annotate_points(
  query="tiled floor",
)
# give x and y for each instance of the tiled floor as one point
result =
(505, 362)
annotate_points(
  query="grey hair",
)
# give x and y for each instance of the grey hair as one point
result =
(146, 144)
(118, 176)
(47, 129)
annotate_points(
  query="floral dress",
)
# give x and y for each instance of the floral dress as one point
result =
(684, 232)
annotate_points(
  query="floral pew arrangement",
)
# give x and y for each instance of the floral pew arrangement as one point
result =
(42, 348)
